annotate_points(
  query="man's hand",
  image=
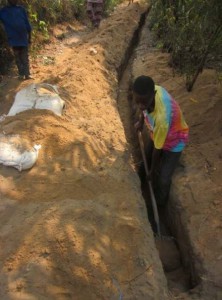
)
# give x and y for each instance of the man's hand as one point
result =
(138, 126)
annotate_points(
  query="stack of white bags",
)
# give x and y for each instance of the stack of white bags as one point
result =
(30, 97)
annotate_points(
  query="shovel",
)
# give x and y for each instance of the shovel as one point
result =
(153, 200)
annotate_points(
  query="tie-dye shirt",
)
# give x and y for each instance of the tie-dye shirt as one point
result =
(166, 123)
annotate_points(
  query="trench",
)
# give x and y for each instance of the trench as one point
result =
(172, 248)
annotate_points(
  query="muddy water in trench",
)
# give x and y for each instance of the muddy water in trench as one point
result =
(178, 280)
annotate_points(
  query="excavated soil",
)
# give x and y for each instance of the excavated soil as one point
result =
(75, 225)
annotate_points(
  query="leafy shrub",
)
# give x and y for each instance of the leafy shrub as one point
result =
(191, 31)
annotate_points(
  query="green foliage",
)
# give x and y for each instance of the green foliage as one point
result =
(191, 31)
(56, 11)
(46, 13)
(110, 4)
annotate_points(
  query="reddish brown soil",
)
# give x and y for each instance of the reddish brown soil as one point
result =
(75, 225)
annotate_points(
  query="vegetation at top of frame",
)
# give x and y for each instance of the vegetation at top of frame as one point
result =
(42, 15)
(191, 31)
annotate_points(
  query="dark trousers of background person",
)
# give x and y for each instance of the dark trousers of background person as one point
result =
(22, 60)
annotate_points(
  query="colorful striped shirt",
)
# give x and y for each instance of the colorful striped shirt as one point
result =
(166, 123)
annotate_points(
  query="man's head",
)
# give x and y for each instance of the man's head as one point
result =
(13, 2)
(144, 92)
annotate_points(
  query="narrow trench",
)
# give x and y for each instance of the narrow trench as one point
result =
(179, 278)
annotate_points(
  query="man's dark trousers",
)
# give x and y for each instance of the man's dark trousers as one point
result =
(22, 60)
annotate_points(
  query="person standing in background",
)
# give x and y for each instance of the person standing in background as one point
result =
(18, 31)
(95, 11)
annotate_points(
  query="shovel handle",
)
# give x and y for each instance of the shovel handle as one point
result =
(153, 200)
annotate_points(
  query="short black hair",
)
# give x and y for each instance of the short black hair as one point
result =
(143, 85)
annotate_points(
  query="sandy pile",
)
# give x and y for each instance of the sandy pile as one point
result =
(75, 226)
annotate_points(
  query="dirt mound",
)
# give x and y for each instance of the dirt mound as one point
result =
(75, 225)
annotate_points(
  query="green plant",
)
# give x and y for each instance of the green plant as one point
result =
(191, 31)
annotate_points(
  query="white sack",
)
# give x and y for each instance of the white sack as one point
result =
(2, 118)
(32, 98)
(11, 155)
